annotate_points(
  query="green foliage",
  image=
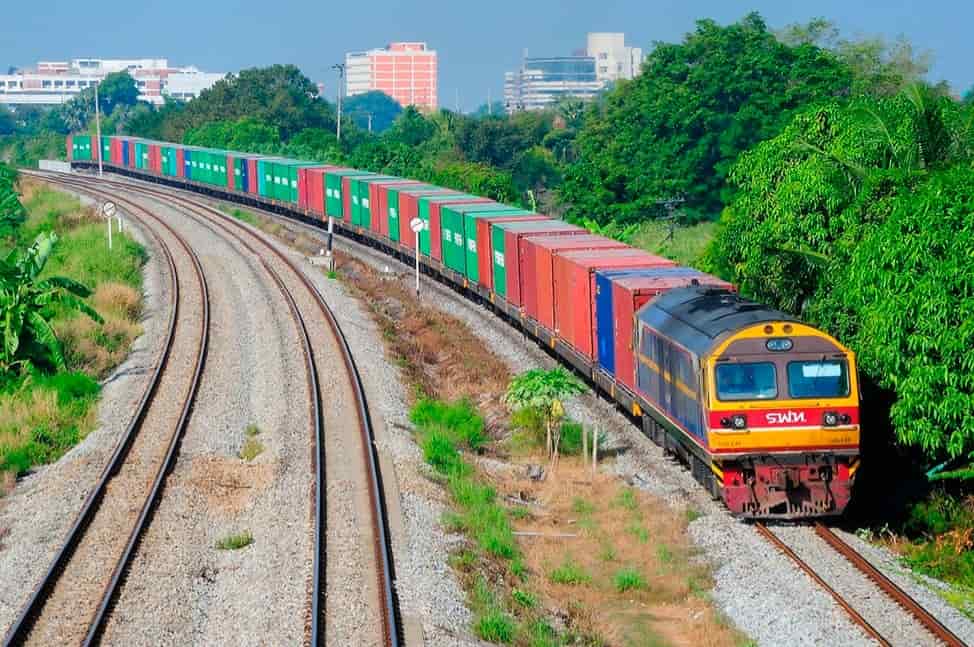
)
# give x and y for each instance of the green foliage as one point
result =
(628, 579)
(244, 134)
(524, 598)
(12, 213)
(611, 229)
(497, 141)
(235, 541)
(280, 95)
(494, 626)
(677, 129)
(943, 528)
(383, 108)
(569, 572)
(28, 303)
(857, 218)
(458, 419)
(543, 390)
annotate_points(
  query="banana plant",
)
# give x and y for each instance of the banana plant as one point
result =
(28, 304)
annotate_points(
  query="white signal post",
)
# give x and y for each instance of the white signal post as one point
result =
(331, 235)
(417, 225)
(109, 210)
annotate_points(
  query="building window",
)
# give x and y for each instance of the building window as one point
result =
(603, 69)
(69, 84)
(603, 56)
(59, 84)
(45, 84)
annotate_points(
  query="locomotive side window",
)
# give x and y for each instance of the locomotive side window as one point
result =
(818, 379)
(751, 381)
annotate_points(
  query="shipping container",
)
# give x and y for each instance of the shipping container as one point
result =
(316, 188)
(69, 146)
(362, 200)
(307, 173)
(181, 162)
(130, 145)
(81, 148)
(619, 296)
(452, 217)
(574, 289)
(253, 176)
(430, 239)
(484, 251)
(399, 230)
(536, 267)
(476, 252)
(405, 202)
(126, 152)
(106, 150)
(388, 221)
(337, 200)
(504, 251)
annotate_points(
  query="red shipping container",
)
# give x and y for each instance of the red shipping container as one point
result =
(512, 240)
(252, 178)
(68, 141)
(316, 189)
(379, 204)
(485, 252)
(231, 173)
(131, 145)
(155, 158)
(409, 209)
(436, 233)
(180, 162)
(383, 204)
(115, 151)
(535, 255)
(574, 289)
(629, 294)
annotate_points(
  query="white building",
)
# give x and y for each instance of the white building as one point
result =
(55, 82)
(543, 82)
(614, 60)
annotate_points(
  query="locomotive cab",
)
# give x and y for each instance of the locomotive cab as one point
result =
(783, 414)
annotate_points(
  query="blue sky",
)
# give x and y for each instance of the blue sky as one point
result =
(477, 41)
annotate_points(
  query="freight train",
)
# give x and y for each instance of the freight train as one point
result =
(764, 409)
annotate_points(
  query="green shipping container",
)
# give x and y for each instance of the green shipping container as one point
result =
(81, 147)
(499, 245)
(452, 229)
(334, 203)
(424, 213)
(392, 202)
(106, 149)
(361, 204)
(470, 236)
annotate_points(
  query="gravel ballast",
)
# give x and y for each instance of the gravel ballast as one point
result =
(45, 503)
(761, 591)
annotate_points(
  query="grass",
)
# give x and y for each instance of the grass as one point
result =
(628, 579)
(235, 541)
(686, 247)
(46, 415)
(252, 448)
(569, 572)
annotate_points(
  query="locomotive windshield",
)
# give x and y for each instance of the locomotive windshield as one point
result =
(752, 381)
(818, 379)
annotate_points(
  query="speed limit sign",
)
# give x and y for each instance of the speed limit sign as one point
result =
(109, 209)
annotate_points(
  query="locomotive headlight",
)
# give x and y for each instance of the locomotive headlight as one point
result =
(830, 419)
(739, 421)
(845, 418)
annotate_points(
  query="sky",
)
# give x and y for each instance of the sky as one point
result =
(476, 42)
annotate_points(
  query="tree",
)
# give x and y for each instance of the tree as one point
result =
(27, 305)
(857, 217)
(677, 129)
(411, 128)
(544, 391)
(117, 89)
(7, 124)
(495, 109)
(280, 95)
(498, 141)
(879, 67)
(383, 108)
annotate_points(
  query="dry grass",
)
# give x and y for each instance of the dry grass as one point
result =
(118, 298)
(606, 578)
(98, 348)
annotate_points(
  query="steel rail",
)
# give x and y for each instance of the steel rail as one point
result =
(898, 595)
(26, 620)
(853, 614)
(391, 618)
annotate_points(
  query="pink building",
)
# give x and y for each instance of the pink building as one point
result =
(404, 71)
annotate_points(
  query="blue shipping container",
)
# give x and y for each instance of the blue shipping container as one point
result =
(605, 307)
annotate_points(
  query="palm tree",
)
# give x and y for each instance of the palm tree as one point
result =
(27, 305)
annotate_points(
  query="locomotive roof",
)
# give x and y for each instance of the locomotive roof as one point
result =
(696, 316)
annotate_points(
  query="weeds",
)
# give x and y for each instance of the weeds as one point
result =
(252, 448)
(569, 572)
(628, 579)
(235, 541)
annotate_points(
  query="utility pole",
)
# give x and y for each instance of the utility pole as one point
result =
(98, 140)
(341, 90)
(489, 113)
(369, 115)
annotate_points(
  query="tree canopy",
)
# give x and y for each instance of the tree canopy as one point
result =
(383, 108)
(677, 129)
(857, 217)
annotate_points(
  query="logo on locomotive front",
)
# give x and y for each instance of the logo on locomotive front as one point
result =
(784, 417)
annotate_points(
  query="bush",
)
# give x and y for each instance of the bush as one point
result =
(494, 626)
(628, 579)
(459, 420)
(235, 541)
(569, 572)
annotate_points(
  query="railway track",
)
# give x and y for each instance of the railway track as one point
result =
(930, 624)
(71, 603)
(391, 629)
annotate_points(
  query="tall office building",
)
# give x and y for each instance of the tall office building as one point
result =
(54, 82)
(404, 71)
(543, 82)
